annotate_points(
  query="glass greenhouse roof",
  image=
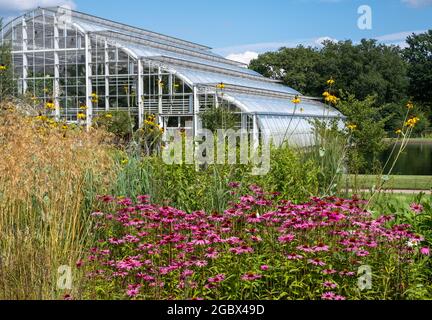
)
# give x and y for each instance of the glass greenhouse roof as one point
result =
(196, 76)
(198, 68)
(282, 106)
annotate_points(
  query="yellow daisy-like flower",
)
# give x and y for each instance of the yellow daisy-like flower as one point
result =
(331, 99)
(410, 105)
(81, 116)
(50, 105)
(326, 94)
(330, 82)
(352, 126)
(108, 115)
(411, 123)
(124, 161)
(83, 107)
(41, 118)
(64, 127)
(398, 131)
(296, 100)
(3, 67)
(94, 97)
(220, 85)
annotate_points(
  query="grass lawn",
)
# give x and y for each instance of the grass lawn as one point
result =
(393, 202)
(411, 140)
(396, 182)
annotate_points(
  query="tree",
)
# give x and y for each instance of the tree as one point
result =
(418, 54)
(363, 69)
(296, 67)
(214, 118)
(366, 69)
(367, 133)
(6, 76)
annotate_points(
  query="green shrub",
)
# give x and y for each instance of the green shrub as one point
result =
(119, 123)
(218, 118)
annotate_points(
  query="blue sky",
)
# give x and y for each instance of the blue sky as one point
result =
(243, 28)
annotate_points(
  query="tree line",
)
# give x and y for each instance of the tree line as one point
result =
(393, 75)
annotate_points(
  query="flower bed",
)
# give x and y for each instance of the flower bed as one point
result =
(259, 248)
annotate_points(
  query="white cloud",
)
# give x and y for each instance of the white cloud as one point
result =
(25, 5)
(269, 46)
(418, 3)
(244, 57)
(245, 53)
(398, 39)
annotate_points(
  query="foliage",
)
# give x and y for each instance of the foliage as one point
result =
(367, 134)
(50, 174)
(149, 137)
(290, 174)
(328, 154)
(218, 118)
(366, 69)
(297, 67)
(258, 248)
(119, 123)
(189, 188)
(145, 141)
(6, 76)
(418, 54)
(363, 69)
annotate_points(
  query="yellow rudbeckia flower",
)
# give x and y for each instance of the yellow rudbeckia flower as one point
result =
(410, 105)
(330, 82)
(296, 100)
(352, 126)
(221, 86)
(81, 116)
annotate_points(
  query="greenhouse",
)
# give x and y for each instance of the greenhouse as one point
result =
(82, 66)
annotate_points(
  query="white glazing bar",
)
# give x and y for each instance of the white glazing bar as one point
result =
(216, 101)
(24, 56)
(107, 72)
(13, 57)
(196, 109)
(255, 132)
(45, 50)
(140, 94)
(56, 87)
(88, 73)
(160, 87)
(244, 121)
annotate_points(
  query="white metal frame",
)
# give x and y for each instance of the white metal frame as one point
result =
(118, 37)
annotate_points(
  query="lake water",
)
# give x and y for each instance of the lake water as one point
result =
(415, 160)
